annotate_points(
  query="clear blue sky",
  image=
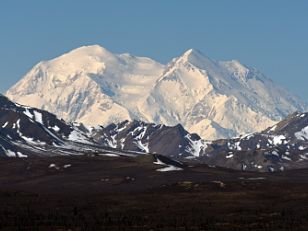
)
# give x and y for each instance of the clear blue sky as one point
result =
(271, 35)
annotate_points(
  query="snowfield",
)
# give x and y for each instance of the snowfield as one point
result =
(216, 99)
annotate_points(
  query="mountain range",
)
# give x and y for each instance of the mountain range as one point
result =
(215, 99)
(28, 132)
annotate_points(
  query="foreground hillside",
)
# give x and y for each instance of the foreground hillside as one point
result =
(121, 193)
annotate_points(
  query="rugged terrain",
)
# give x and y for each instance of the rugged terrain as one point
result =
(26, 132)
(134, 175)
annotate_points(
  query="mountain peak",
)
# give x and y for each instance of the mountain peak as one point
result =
(194, 57)
(90, 50)
(192, 53)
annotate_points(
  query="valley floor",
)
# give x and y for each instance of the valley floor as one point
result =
(120, 193)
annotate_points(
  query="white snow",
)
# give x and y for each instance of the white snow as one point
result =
(144, 147)
(4, 125)
(141, 135)
(20, 155)
(278, 139)
(236, 145)
(286, 158)
(18, 123)
(10, 153)
(122, 143)
(56, 128)
(112, 143)
(54, 166)
(28, 113)
(303, 134)
(273, 128)
(27, 139)
(38, 117)
(301, 148)
(67, 165)
(271, 169)
(195, 146)
(229, 156)
(247, 136)
(169, 169)
(159, 162)
(214, 99)
(121, 129)
(109, 155)
(275, 153)
(77, 136)
(304, 157)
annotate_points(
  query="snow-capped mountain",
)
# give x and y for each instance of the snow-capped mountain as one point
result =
(212, 98)
(89, 85)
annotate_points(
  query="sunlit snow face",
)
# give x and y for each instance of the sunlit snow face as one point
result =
(214, 99)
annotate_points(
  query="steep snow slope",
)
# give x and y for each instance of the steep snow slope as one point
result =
(214, 99)
(217, 99)
(89, 84)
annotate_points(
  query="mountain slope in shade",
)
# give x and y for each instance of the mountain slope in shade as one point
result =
(212, 98)
(29, 131)
(150, 138)
(282, 146)
(26, 132)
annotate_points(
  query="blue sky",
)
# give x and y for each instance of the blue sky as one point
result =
(271, 35)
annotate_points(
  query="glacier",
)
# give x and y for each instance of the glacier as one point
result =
(216, 99)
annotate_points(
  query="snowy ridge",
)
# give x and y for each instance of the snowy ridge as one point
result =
(212, 98)
(35, 130)
(173, 141)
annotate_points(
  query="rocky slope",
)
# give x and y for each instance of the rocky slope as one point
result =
(282, 146)
(150, 138)
(27, 132)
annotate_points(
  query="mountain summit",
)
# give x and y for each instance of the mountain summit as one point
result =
(216, 99)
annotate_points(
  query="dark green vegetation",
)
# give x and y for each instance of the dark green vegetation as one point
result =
(121, 193)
